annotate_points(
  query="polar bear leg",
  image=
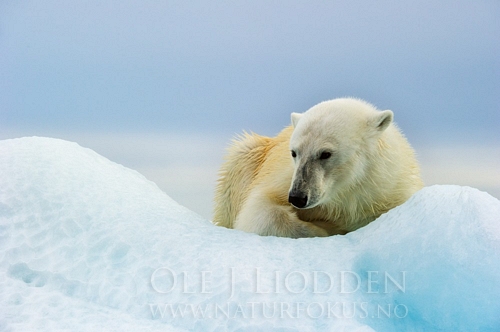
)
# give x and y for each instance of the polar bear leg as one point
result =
(262, 216)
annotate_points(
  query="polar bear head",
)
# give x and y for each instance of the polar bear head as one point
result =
(333, 146)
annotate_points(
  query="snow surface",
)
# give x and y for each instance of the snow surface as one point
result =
(89, 245)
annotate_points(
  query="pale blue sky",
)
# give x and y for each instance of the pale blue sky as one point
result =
(210, 69)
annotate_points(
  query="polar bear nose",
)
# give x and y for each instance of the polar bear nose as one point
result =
(298, 201)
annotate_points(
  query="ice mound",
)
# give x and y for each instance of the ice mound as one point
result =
(86, 244)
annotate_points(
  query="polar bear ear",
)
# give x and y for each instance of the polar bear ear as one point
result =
(295, 118)
(382, 120)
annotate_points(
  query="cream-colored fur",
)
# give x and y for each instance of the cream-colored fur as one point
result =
(368, 169)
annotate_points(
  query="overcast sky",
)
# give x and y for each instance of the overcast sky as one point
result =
(161, 86)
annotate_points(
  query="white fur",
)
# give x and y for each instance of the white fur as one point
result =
(351, 164)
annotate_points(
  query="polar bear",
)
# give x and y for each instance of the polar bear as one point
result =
(339, 166)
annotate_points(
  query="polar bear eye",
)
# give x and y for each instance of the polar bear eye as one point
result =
(325, 155)
(294, 154)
